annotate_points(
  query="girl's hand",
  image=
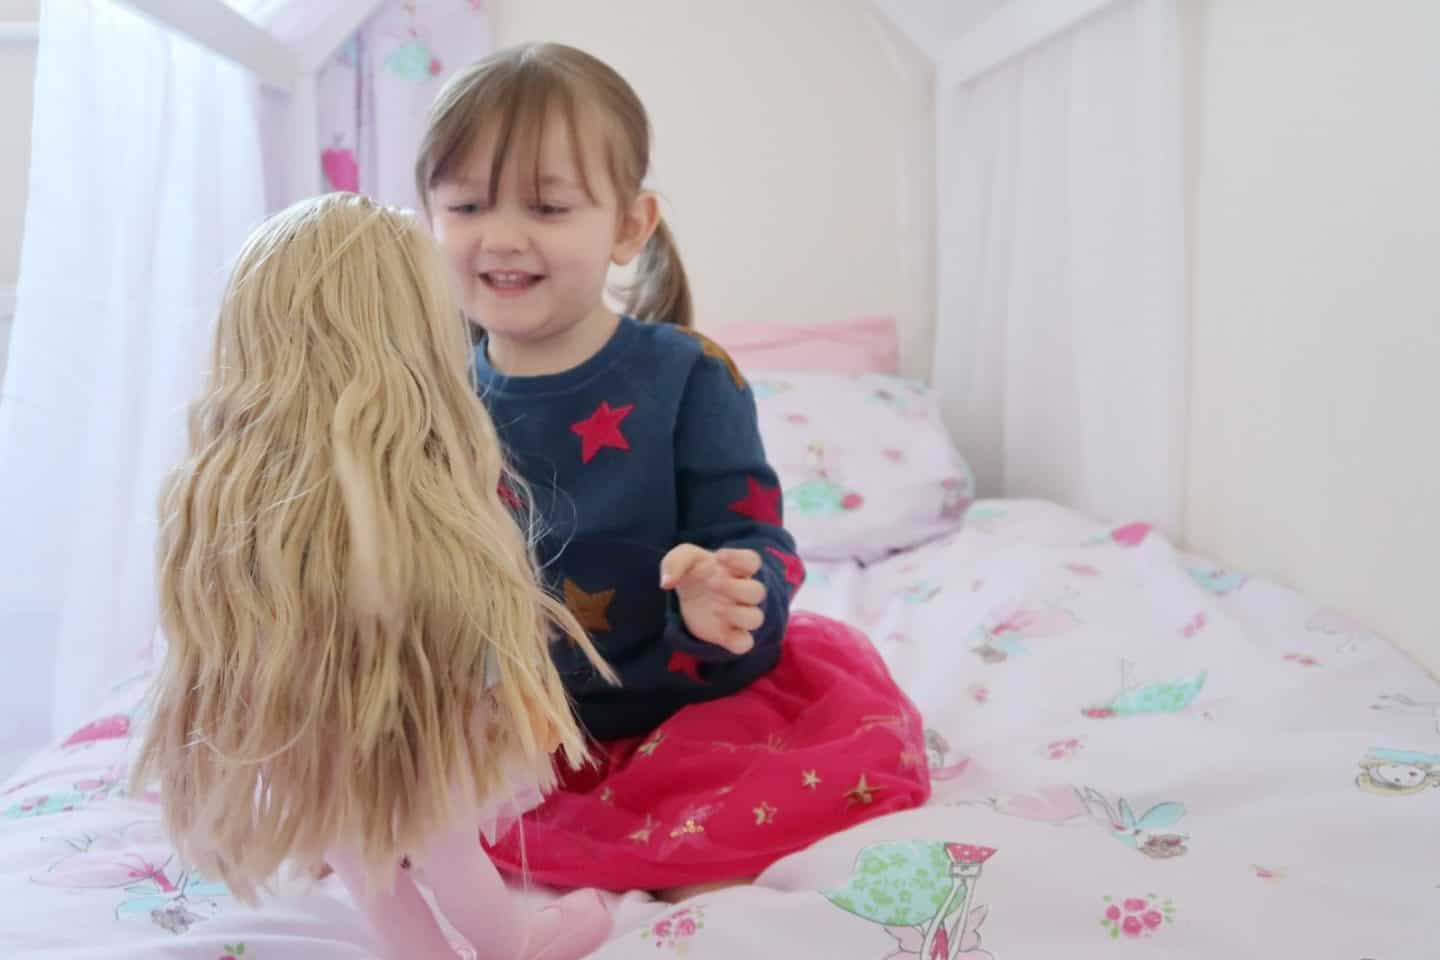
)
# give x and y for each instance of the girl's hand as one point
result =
(719, 596)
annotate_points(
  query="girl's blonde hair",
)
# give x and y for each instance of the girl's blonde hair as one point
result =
(514, 93)
(337, 568)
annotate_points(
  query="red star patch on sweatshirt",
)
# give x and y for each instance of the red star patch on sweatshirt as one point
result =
(685, 663)
(794, 567)
(761, 503)
(602, 429)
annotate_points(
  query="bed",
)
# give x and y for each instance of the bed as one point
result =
(1133, 753)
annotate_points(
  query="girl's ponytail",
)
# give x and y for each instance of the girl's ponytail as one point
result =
(660, 292)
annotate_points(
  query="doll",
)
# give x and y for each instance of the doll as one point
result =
(357, 668)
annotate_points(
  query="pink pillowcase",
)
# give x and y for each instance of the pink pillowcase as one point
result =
(854, 346)
(865, 461)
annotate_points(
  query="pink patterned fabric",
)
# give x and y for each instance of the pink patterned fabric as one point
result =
(1195, 820)
(866, 463)
(853, 346)
(376, 92)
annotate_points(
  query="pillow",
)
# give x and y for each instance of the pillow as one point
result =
(867, 466)
(859, 345)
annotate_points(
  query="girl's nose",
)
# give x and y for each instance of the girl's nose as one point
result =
(503, 234)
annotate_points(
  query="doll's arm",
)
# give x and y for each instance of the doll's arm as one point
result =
(472, 896)
(401, 918)
(470, 893)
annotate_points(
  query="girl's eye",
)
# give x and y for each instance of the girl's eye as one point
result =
(464, 209)
(550, 210)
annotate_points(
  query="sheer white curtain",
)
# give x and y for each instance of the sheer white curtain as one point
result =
(145, 178)
(152, 159)
(1061, 332)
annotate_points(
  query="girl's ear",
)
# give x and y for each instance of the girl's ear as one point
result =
(636, 225)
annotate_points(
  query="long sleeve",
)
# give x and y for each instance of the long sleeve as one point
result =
(651, 443)
(729, 496)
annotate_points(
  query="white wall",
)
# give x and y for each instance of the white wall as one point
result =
(793, 143)
(1315, 450)
(17, 74)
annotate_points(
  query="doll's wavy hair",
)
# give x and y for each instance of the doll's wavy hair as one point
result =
(337, 568)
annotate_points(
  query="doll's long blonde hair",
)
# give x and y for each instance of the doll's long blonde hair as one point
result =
(336, 568)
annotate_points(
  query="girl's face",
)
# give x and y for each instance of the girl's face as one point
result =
(531, 265)
(1399, 774)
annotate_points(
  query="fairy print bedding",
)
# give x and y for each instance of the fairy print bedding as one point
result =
(1135, 754)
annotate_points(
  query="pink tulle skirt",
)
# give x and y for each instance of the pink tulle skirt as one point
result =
(724, 788)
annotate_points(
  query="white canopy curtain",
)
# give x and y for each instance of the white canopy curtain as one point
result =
(145, 177)
(147, 173)
(1061, 331)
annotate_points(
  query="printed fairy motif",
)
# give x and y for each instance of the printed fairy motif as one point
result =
(959, 494)
(922, 893)
(766, 389)
(1063, 749)
(1130, 535)
(906, 399)
(820, 495)
(1217, 581)
(1408, 706)
(1007, 628)
(985, 517)
(1058, 804)
(1347, 633)
(921, 592)
(937, 755)
(818, 575)
(1195, 626)
(83, 793)
(341, 170)
(412, 58)
(114, 727)
(136, 860)
(44, 804)
(1169, 696)
(1146, 832)
(1149, 832)
(1398, 773)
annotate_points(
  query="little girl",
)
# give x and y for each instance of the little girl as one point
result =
(739, 733)
(357, 664)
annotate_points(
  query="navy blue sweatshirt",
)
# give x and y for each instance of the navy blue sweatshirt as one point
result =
(650, 443)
